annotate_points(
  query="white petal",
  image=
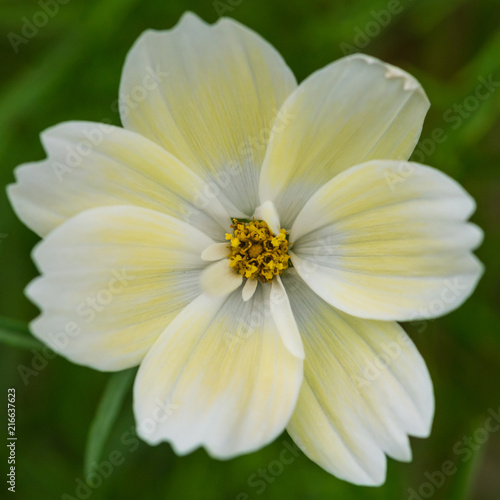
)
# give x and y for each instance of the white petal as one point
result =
(366, 387)
(223, 370)
(353, 110)
(216, 251)
(220, 278)
(113, 279)
(389, 251)
(249, 289)
(268, 213)
(209, 95)
(284, 319)
(95, 164)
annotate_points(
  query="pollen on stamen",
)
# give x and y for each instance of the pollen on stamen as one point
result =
(255, 252)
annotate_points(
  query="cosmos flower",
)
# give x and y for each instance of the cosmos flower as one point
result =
(250, 244)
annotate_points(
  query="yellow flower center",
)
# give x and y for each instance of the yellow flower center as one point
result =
(256, 252)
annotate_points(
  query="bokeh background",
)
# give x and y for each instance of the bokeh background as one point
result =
(70, 69)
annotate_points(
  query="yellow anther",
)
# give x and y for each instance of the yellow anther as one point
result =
(255, 252)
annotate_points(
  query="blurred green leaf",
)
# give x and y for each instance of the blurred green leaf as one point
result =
(23, 93)
(106, 415)
(16, 334)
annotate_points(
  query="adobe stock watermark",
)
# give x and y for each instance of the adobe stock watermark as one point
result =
(31, 26)
(380, 19)
(88, 310)
(95, 136)
(214, 188)
(223, 7)
(385, 356)
(261, 312)
(150, 81)
(100, 471)
(324, 250)
(95, 304)
(76, 153)
(463, 451)
(452, 292)
(264, 476)
(454, 115)
(259, 141)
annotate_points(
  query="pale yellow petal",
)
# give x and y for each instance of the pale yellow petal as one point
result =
(389, 251)
(284, 318)
(365, 389)
(112, 280)
(223, 371)
(353, 110)
(208, 95)
(268, 213)
(215, 252)
(95, 164)
(249, 289)
(220, 278)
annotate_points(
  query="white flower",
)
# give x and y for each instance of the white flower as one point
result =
(134, 259)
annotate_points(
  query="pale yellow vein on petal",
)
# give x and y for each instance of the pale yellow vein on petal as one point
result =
(222, 364)
(352, 406)
(389, 251)
(112, 279)
(218, 89)
(95, 164)
(356, 109)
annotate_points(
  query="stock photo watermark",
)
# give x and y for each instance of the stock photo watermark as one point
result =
(223, 7)
(76, 153)
(31, 26)
(463, 451)
(264, 476)
(11, 439)
(139, 93)
(102, 470)
(214, 188)
(455, 116)
(385, 356)
(94, 137)
(379, 20)
(88, 310)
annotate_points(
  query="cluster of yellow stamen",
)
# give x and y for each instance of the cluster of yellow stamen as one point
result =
(255, 252)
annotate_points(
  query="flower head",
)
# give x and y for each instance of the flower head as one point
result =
(250, 243)
(255, 252)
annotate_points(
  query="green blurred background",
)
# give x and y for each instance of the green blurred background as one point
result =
(70, 69)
